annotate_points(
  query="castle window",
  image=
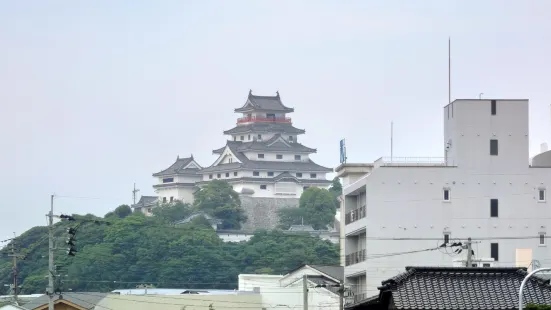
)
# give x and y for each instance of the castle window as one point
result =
(235, 173)
(270, 174)
(260, 155)
(219, 175)
(227, 174)
(297, 157)
(263, 186)
(299, 174)
(249, 137)
(259, 137)
(242, 138)
(168, 180)
(279, 156)
(210, 176)
(313, 175)
(256, 173)
(171, 199)
(164, 199)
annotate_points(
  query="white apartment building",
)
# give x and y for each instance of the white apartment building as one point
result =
(484, 188)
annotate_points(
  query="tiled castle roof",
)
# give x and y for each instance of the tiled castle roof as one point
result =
(265, 127)
(178, 167)
(267, 103)
(271, 145)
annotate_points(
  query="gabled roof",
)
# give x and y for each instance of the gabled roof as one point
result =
(301, 166)
(335, 272)
(265, 127)
(274, 144)
(83, 300)
(209, 218)
(145, 201)
(451, 288)
(180, 166)
(265, 103)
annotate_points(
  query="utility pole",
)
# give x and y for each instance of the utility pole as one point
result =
(14, 285)
(50, 289)
(341, 296)
(305, 292)
(134, 192)
(469, 253)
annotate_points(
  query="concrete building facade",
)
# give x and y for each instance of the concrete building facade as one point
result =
(401, 212)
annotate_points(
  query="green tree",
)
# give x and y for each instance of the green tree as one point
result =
(336, 190)
(316, 207)
(218, 199)
(170, 213)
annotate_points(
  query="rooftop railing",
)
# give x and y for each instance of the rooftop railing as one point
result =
(356, 257)
(414, 162)
(354, 215)
(256, 119)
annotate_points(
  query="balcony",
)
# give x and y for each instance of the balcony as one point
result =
(256, 119)
(354, 215)
(354, 258)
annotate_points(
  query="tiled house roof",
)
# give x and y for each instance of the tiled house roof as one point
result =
(455, 288)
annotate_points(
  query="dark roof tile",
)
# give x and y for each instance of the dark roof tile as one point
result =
(178, 167)
(267, 103)
(451, 288)
(264, 127)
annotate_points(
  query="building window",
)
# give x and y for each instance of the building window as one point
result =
(249, 138)
(542, 238)
(290, 138)
(234, 138)
(227, 174)
(494, 251)
(493, 208)
(171, 199)
(446, 238)
(297, 157)
(313, 176)
(235, 173)
(219, 175)
(242, 138)
(210, 176)
(279, 156)
(299, 174)
(256, 173)
(270, 174)
(260, 155)
(168, 180)
(493, 147)
(164, 199)
(149, 210)
(259, 137)
(541, 195)
(447, 194)
(494, 107)
(263, 186)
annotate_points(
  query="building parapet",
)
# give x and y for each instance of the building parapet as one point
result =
(414, 162)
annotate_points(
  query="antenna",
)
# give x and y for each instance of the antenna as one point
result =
(343, 151)
(449, 70)
(134, 192)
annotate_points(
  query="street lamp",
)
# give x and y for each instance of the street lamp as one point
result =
(524, 283)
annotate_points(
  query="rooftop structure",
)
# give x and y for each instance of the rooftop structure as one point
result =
(449, 288)
(483, 188)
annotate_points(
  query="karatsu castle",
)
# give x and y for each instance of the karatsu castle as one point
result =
(263, 160)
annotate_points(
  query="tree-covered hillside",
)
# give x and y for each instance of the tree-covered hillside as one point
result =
(126, 249)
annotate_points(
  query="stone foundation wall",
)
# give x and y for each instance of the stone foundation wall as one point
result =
(262, 212)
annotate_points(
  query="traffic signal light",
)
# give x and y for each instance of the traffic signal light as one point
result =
(71, 250)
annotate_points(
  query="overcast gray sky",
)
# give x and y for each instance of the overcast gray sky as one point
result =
(97, 95)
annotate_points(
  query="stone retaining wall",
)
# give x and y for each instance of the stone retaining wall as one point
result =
(262, 212)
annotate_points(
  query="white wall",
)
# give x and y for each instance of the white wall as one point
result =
(280, 292)
(289, 157)
(407, 202)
